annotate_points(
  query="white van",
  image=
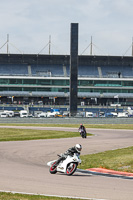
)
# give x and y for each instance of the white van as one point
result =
(122, 114)
(9, 113)
(23, 113)
(89, 114)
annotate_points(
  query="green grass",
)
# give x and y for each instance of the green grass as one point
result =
(10, 196)
(120, 160)
(7, 134)
(11, 134)
(103, 126)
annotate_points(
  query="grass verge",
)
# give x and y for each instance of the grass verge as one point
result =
(10, 134)
(103, 126)
(10, 196)
(119, 160)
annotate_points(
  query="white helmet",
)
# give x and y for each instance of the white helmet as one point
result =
(78, 147)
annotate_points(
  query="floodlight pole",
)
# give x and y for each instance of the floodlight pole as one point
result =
(7, 43)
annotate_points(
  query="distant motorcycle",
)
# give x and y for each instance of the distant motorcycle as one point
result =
(83, 133)
(67, 166)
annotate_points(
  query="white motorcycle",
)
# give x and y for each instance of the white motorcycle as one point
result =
(67, 166)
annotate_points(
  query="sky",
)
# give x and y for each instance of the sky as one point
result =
(30, 24)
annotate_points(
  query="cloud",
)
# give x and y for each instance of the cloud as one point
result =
(29, 24)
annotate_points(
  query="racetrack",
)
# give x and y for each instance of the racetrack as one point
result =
(23, 167)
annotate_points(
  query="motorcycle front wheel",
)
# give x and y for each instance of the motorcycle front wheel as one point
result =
(71, 168)
(53, 169)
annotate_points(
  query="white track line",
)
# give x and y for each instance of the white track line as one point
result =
(48, 195)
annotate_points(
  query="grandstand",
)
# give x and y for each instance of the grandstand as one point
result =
(102, 80)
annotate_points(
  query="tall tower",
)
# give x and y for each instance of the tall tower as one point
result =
(73, 68)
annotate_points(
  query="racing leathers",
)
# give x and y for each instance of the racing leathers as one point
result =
(69, 152)
(82, 128)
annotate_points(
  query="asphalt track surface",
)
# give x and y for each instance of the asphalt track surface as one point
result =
(23, 166)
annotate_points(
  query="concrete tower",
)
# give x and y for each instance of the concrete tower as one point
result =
(73, 68)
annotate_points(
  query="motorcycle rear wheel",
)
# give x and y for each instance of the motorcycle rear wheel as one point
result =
(83, 135)
(53, 169)
(71, 168)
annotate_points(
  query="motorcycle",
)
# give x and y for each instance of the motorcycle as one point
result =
(67, 166)
(83, 134)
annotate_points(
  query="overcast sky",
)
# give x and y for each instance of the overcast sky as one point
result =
(29, 24)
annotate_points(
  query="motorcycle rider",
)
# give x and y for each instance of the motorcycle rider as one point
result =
(82, 128)
(76, 149)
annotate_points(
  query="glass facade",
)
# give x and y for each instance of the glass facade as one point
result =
(62, 85)
(44, 82)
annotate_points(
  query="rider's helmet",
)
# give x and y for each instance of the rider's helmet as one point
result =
(78, 147)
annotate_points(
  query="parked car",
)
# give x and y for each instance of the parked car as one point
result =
(30, 115)
(43, 114)
(109, 115)
(51, 114)
(65, 114)
(4, 114)
(114, 114)
(101, 114)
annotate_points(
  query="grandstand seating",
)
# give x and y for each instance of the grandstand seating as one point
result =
(85, 71)
(90, 71)
(104, 71)
(60, 70)
(112, 71)
(13, 69)
(47, 70)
